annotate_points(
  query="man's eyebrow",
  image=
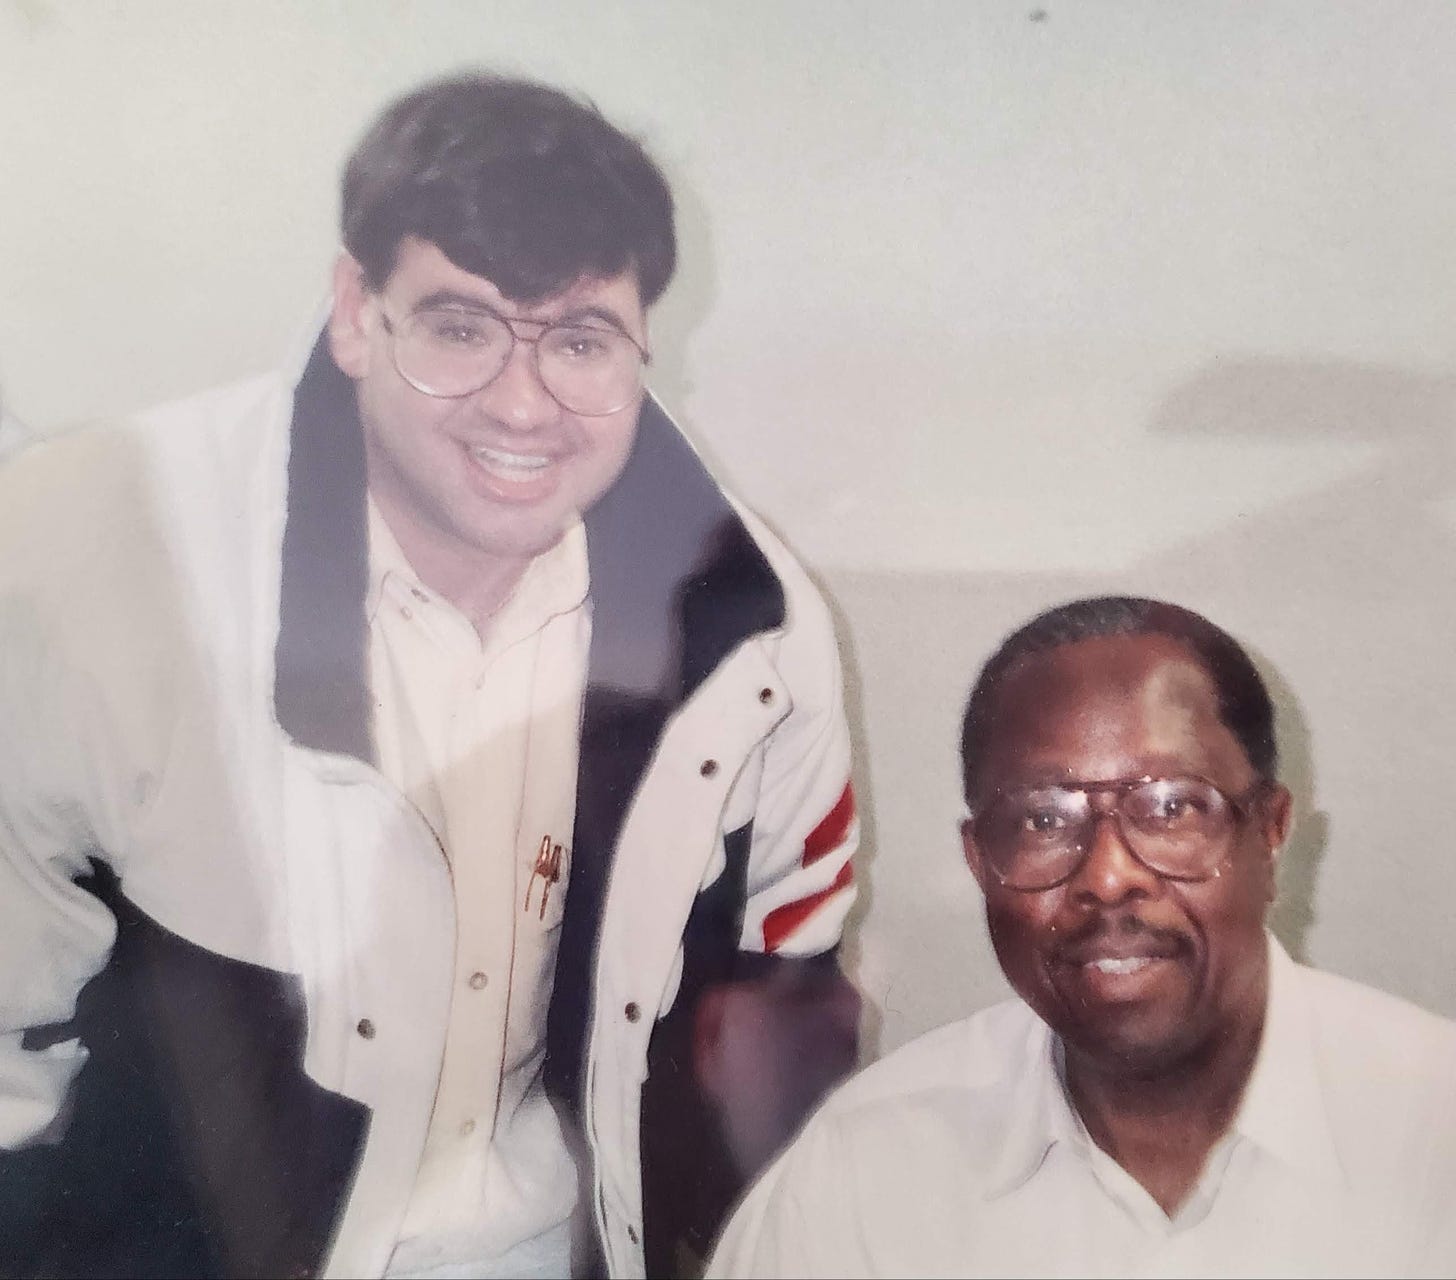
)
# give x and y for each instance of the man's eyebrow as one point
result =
(472, 302)
(454, 298)
(592, 311)
(1038, 777)
(1036, 780)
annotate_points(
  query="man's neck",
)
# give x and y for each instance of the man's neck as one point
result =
(477, 585)
(1161, 1126)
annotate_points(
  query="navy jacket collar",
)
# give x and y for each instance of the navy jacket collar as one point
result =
(677, 581)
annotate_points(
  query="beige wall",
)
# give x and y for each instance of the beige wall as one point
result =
(982, 308)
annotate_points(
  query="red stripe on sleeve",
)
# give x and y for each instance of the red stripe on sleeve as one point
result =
(782, 921)
(830, 833)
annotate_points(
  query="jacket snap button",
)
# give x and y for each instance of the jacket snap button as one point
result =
(765, 696)
(365, 1028)
(632, 1011)
(708, 768)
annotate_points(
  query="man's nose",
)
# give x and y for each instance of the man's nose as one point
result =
(516, 397)
(1111, 872)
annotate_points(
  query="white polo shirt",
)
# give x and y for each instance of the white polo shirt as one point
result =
(960, 1155)
(483, 735)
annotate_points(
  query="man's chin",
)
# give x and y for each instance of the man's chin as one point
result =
(1144, 1048)
(523, 539)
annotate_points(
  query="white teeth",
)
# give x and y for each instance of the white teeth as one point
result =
(501, 460)
(1129, 964)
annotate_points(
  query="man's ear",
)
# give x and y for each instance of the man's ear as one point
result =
(350, 319)
(1276, 818)
(973, 852)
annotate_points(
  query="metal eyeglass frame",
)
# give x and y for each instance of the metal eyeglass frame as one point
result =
(510, 322)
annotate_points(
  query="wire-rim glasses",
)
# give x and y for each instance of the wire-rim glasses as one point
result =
(589, 368)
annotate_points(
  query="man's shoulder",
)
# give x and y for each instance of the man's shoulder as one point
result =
(1374, 1030)
(229, 402)
(807, 647)
(100, 512)
(805, 602)
(1387, 1075)
(936, 1108)
(977, 1056)
(106, 454)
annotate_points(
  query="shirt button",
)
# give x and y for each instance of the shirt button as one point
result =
(478, 981)
(633, 1011)
(365, 1028)
(708, 768)
(405, 613)
(419, 595)
(467, 1128)
(631, 1233)
(765, 696)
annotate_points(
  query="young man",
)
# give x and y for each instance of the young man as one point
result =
(1175, 1096)
(421, 784)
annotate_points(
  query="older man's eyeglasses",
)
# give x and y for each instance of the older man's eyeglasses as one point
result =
(589, 368)
(1036, 838)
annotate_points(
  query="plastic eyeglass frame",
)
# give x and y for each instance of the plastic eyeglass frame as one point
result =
(1241, 806)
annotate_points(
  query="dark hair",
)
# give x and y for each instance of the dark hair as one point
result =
(1243, 700)
(513, 181)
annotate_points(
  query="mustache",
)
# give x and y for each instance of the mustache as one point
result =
(1123, 933)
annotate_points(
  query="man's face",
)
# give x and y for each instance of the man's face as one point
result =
(497, 475)
(1136, 973)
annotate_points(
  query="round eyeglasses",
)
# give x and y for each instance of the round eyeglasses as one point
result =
(1037, 838)
(448, 352)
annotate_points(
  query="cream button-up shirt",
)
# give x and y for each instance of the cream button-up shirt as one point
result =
(481, 734)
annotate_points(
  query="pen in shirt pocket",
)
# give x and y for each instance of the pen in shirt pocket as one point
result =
(548, 868)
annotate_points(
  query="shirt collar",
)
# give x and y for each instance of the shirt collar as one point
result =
(1283, 1110)
(385, 558)
(1036, 1116)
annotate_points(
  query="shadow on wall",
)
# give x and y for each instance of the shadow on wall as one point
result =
(1343, 596)
(1356, 581)
(680, 312)
(1293, 912)
(14, 435)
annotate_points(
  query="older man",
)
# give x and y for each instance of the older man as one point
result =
(419, 781)
(1175, 1096)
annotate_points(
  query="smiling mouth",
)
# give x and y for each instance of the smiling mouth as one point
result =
(505, 462)
(1121, 964)
(1121, 961)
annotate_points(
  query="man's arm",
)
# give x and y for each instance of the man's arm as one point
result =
(747, 1055)
(770, 1044)
(53, 934)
